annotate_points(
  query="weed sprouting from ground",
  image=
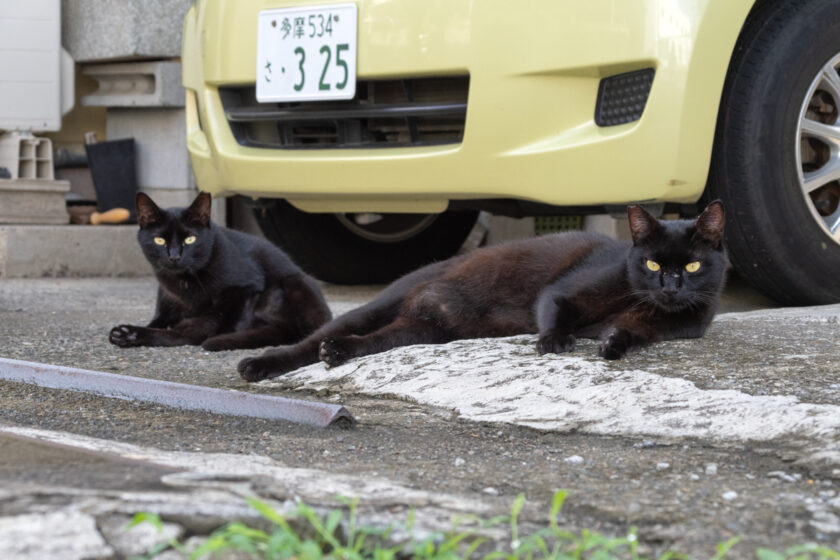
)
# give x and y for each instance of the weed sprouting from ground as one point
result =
(337, 536)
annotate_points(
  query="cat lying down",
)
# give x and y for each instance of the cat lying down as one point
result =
(664, 285)
(219, 288)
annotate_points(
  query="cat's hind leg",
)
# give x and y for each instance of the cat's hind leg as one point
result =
(361, 321)
(257, 337)
(403, 331)
(276, 362)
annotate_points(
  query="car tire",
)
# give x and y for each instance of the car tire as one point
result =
(335, 248)
(782, 238)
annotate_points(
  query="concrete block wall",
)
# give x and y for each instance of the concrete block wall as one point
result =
(145, 101)
(131, 49)
(69, 251)
(109, 30)
(161, 144)
(135, 84)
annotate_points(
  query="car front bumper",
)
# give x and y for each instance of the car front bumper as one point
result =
(529, 133)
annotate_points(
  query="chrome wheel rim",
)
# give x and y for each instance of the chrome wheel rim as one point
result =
(386, 228)
(818, 148)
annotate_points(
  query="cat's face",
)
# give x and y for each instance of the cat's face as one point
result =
(177, 240)
(677, 264)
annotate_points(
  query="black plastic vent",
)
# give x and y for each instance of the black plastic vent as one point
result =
(622, 98)
(384, 114)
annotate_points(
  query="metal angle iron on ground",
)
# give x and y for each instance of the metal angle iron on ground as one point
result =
(177, 395)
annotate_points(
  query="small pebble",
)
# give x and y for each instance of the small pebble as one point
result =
(711, 469)
(663, 466)
(574, 460)
(490, 490)
(729, 496)
(694, 476)
(781, 475)
(459, 462)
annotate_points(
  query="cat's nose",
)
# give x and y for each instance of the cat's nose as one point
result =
(670, 284)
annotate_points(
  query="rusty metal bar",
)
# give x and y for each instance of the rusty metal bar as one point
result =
(177, 395)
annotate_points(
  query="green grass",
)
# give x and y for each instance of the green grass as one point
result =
(332, 537)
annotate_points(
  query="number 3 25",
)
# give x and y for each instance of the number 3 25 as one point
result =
(326, 54)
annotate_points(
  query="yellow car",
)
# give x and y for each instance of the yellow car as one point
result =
(371, 132)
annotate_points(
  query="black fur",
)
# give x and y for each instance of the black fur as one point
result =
(614, 296)
(224, 290)
(563, 286)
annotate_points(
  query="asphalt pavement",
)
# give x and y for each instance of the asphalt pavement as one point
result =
(693, 442)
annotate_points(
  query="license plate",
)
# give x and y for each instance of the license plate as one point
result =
(306, 53)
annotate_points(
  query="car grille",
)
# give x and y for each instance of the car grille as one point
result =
(384, 114)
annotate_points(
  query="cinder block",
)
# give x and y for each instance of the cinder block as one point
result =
(26, 156)
(161, 142)
(99, 30)
(36, 251)
(135, 84)
(617, 228)
(503, 229)
(33, 201)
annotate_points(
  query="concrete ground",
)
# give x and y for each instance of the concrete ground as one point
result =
(693, 442)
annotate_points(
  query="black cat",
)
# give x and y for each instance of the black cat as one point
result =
(219, 288)
(663, 285)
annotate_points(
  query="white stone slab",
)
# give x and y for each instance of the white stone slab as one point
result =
(504, 380)
(66, 534)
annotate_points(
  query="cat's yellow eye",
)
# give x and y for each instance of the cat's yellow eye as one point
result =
(160, 241)
(189, 240)
(693, 266)
(652, 265)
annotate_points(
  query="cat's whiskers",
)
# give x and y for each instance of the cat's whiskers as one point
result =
(642, 297)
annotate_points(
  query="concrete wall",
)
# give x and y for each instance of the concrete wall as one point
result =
(110, 30)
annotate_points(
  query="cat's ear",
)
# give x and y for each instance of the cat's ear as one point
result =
(199, 211)
(642, 224)
(147, 211)
(709, 224)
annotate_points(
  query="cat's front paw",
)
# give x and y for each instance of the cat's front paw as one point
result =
(125, 336)
(614, 347)
(553, 343)
(334, 351)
